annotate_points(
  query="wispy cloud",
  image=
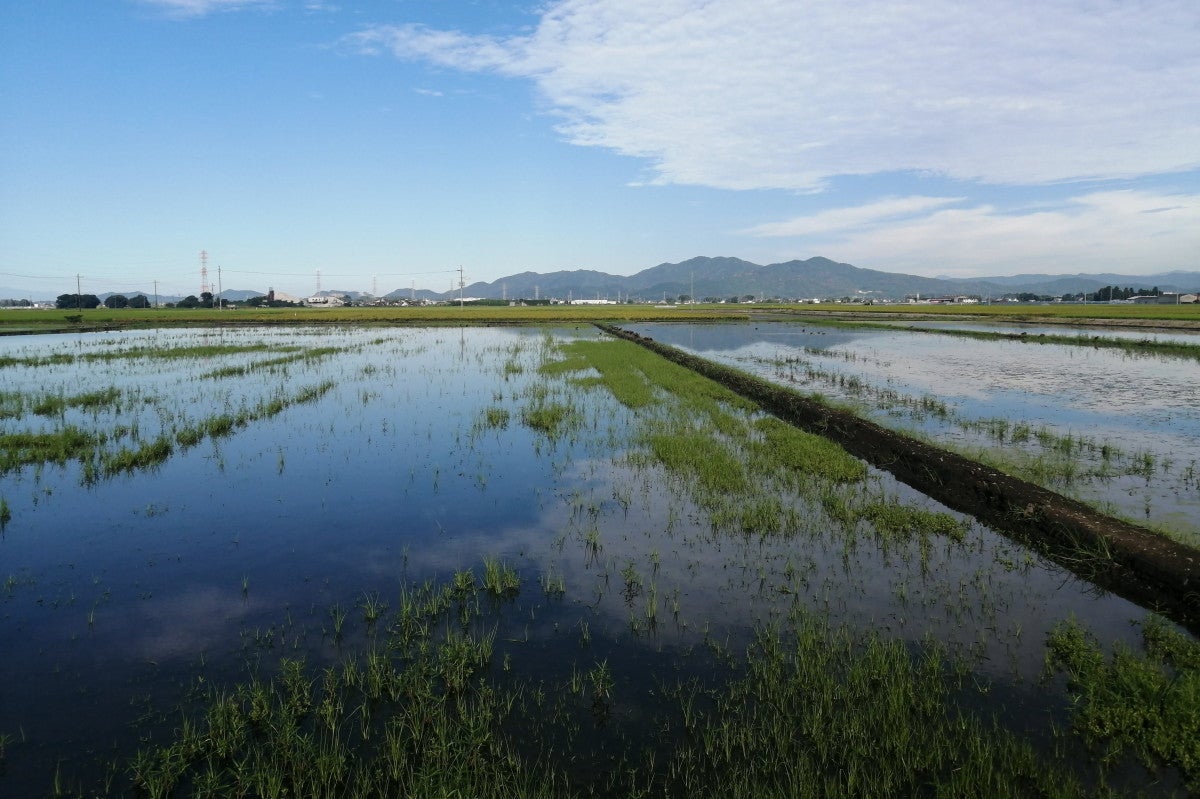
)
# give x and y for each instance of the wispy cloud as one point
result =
(199, 8)
(840, 219)
(1129, 231)
(786, 94)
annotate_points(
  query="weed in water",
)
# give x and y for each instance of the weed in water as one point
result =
(499, 579)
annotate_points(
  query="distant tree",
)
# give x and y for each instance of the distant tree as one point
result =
(139, 301)
(77, 301)
(116, 301)
(206, 299)
(190, 301)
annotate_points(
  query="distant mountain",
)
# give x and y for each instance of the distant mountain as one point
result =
(815, 278)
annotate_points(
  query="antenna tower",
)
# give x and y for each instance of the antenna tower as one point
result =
(203, 271)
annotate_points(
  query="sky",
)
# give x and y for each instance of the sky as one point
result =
(383, 144)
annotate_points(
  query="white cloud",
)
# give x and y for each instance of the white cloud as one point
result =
(837, 219)
(785, 94)
(1125, 231)
(198, 8)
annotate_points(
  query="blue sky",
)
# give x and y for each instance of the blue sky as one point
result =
(384, 143)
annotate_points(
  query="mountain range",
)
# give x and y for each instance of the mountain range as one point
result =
(723, 278)
(813, 278)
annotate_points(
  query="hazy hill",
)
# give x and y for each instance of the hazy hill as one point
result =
(813, 278)
(729, 277)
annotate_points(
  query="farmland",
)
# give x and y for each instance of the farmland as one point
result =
(369, 559)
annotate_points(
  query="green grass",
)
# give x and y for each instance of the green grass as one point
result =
(1144, 705)
(822, 712)
(69, 443)
(550, 417)
(499, 579)
(733, 460)
(811, 710)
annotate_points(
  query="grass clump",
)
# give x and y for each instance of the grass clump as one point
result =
(147, 456)
(415, 717)
(820, 712)
(1144, 705)
(783, 445)
(499, 579)
(66, 444)
(893, 520)
(494, 418)
(549, 417)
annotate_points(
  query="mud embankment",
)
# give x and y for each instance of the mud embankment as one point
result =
(1114, 555)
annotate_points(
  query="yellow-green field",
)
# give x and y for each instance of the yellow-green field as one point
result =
(22, 321)
(1186, 315)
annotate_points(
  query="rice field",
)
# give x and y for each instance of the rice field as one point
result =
(348, 561)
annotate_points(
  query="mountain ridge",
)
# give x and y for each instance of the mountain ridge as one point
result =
(723, 277)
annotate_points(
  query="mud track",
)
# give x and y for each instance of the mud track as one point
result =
(1113, 555)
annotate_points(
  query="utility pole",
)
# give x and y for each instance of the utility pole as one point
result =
(219, 287)
(156, 294)
(461, 283)
(78, 295)
(318, 281)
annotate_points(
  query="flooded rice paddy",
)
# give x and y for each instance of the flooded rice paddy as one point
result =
(1117, 429)
(230, 555)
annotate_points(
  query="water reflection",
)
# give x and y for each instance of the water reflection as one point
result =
(241, 549)
(1138, 416)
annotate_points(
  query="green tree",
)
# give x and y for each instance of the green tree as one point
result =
(116, 301)
(139, 301)
(190, 301)
(67, 301)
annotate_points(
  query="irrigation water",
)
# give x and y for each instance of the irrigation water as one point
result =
(1119, 430)
(519, 560)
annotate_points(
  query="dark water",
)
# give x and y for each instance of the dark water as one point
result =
(123, 599)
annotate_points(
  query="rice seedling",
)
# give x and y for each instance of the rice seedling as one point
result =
(5, 514)
(551, 418)
(499, 579)
(1146, 705)
(373, 607)
(553, 584)
(494, 418)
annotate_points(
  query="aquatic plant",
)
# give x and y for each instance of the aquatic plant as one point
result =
(1147, 705)
(499, 579)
